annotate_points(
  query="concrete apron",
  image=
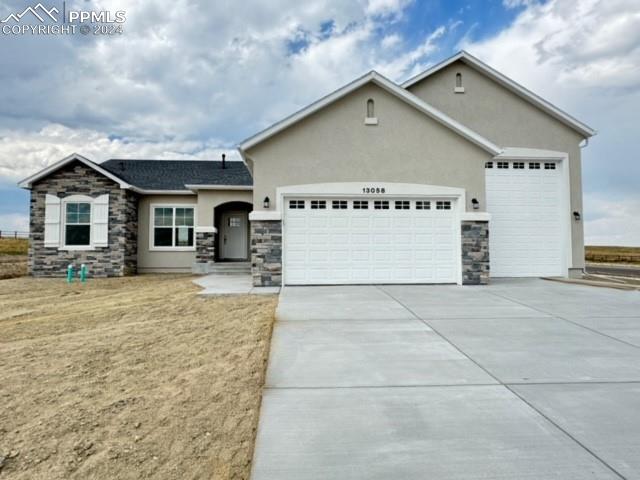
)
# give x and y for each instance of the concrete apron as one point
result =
(362, 383)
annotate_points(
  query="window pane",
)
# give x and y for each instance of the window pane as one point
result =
(163, 217)
(84, 218)
(162, 237)
(184, 217)
(78, 235)
(184, 237)
(84, 208)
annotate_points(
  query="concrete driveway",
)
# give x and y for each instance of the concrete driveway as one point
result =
(520, 379)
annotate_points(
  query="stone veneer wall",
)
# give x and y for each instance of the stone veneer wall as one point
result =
(118, 259)
(205, 247)
(475, 252)
(266, 253)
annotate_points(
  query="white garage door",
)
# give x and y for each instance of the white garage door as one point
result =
(342, 241)
(525, 233)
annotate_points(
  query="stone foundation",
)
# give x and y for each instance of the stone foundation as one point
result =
(205, 252)
(118, 258)
(266, 253)
(475, 252)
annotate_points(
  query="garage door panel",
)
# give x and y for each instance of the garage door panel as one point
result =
(525, 233)
(370, 245)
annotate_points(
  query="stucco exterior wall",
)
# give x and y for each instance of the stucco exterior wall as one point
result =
(334, 145)
(161, 261)
(208, 200)
(509, 121)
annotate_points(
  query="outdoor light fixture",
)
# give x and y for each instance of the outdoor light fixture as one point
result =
(266, 202)
(576, 215)
(475, 203)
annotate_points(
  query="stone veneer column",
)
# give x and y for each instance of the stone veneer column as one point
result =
(475, 252)
(266, 253)
(205, 249)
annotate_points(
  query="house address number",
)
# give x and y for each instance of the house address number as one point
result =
(378, 190)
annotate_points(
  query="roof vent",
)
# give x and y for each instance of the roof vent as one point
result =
(122, 166)
(224, 157)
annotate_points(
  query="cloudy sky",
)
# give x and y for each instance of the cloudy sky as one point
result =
(192, 78)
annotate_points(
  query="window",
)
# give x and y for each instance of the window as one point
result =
(488, 165)
(77, 224)
(371, 113)
(402, 204)
(296, 204)
(381, 204)
(423, 205)
(443, 205)
(503, 164)
(339, 204)
(173, 227)
(534, 166)
(235, 222)
(318, 204)
(549, 166)
(458, 80)
(360, 205)
(518, 165)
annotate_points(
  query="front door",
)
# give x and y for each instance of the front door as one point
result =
(233, 236)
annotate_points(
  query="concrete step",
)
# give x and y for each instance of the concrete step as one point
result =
(230, 268)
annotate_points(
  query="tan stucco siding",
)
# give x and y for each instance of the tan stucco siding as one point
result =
(208, 200)
(161, 261)
(334, 145)
(509, 121)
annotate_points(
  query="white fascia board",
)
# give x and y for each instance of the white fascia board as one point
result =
(28, 182)
(519, 153)
(264, 215)
(390, 87)
(511, 85)
(143, 191)
(218, 187)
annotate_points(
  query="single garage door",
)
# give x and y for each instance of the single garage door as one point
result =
(525, 233)
(369, 240)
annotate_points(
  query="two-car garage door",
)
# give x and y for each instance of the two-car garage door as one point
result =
(369, 240)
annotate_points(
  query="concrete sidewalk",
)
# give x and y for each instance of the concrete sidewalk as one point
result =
(520, 379)
(241, 284)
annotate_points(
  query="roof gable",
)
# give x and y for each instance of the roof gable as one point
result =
(510, 85)
(29, 181)
(390, 87)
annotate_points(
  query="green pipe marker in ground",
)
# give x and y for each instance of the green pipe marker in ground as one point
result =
(83, 273)
(70, 273)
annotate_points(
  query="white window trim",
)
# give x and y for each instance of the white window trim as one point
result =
(63, 223)
(152, 208)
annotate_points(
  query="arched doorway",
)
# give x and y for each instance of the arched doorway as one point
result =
(232, 224)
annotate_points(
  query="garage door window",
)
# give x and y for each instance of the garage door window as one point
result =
(518, 165)
(339, 204)
(534, 165)
(402, 205)
(443, 205)
(381, 205)
(318, 204)
(423, 205)
(296, 204)
(549, 166)
(503, 164)
(360, 205)
(488, 165)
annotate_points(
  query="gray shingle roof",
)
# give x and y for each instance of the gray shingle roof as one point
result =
(175, 174)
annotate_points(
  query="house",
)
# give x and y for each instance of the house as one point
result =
(455, 175)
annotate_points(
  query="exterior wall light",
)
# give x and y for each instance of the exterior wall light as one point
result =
(475, 203)
(576, 215)
(266, 202)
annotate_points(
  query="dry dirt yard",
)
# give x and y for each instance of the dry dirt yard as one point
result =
(130, 378)
(13, 257)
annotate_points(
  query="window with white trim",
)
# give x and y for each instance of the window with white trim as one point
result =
(443, 205)
(77, 230)
(550, 166)
(381, 204)
(360, 205)
(318, 204)
(534, 165)
(173, 227)
(423, 205)
(296, 204)
(402, 205)
(339, 204)
(503, 164)
(518, 165)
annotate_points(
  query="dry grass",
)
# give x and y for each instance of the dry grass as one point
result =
(14, 246)
(603, 254)
(130, 378)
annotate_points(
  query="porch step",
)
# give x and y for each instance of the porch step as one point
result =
(230, 268)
